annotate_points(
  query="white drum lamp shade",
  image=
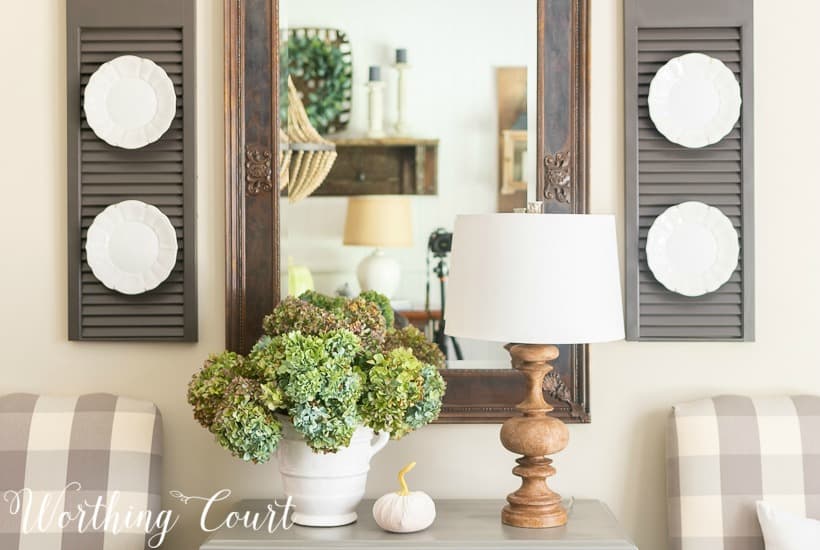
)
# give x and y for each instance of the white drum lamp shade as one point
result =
(535, 279)
(379, 221)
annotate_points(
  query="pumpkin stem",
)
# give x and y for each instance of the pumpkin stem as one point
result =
(404, 489)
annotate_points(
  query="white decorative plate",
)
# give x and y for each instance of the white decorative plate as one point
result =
(131, 247)
(692, 248)
(694, 100)
(130, 102)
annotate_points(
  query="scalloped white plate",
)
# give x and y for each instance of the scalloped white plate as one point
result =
(130, 102)
(692, 248)
(694, 100)
(131, 247)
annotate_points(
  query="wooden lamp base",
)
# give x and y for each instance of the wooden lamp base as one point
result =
(534, 435)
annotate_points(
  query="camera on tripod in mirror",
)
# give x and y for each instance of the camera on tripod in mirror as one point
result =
(440, 242)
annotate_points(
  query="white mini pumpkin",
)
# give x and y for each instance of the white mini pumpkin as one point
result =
(404, 511)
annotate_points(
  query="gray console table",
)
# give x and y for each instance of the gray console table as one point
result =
(460, 525)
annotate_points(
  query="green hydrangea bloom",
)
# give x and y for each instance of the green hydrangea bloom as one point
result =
(208, 386)
(423, 350)
(265, 357)
(299, 373)
(326, 427)
(383, 303)
(342, 345)
(394, 384)
(333, 304)
(316, 381)
(272, 396)
(293, 314)
(429, 407)
(364, 319)
(245, 426)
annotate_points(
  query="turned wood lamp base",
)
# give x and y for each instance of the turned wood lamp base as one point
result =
(534, 435)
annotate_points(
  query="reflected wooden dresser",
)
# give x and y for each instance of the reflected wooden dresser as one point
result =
(460, 525)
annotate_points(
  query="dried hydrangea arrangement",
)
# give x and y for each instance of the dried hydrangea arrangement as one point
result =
(329, 364)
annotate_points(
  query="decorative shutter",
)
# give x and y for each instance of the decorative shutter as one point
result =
(161, 174)
(660, 174)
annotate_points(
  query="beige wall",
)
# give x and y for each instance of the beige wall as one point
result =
(618, 458)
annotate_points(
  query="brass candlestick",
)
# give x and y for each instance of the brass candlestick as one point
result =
(534, 435)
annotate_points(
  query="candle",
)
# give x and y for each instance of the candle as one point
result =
(401, 68)
(375, 73)
(375, 90)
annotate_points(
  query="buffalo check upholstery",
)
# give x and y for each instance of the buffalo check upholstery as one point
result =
(726, 453)
(60, 454)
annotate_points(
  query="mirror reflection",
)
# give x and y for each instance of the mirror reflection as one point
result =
(390, 134)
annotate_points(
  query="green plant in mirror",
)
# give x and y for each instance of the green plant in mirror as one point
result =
(323, 74)
(326, 364)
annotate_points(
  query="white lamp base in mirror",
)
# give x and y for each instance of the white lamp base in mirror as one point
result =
(379, 272)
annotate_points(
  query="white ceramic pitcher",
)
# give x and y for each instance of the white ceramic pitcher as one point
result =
(326, 488)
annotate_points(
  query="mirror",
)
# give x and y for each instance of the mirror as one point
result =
(447, 102)
(461, 146)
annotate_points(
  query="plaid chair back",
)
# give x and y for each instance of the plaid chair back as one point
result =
(59, 453)
(726, 453)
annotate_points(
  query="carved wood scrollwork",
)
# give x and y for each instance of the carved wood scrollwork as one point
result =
(258, 170)
(556, 388)
(557, 187)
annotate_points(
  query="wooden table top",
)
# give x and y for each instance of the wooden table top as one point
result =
(460, 524)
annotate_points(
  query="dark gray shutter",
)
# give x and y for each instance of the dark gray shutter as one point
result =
(161, 174)
(660, 174)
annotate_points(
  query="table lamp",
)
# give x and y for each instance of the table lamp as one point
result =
(379, 221)
(534, 281)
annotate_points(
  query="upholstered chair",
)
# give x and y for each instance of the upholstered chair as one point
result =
(60, 454)
(726, 453)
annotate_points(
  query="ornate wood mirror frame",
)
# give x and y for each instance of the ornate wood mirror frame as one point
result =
(251, 123)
